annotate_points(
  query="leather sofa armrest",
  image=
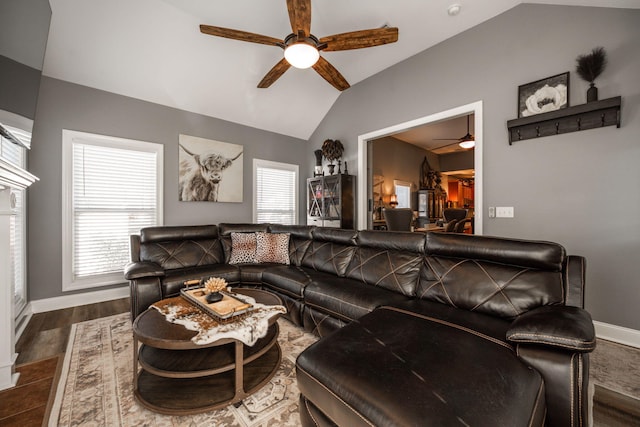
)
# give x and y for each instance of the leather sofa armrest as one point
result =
(568, 328)
(138, 270)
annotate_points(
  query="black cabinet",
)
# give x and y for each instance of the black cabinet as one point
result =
(331, 201)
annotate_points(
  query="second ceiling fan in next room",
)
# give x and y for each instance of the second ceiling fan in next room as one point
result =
(302, 49)
(467, 141)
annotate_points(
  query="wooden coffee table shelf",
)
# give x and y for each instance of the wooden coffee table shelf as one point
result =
(179, 377)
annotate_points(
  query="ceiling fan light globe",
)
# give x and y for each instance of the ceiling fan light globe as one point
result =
(301, 55)
(467, 144)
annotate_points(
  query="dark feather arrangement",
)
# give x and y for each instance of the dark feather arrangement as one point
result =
(591, 65)
(332, 149)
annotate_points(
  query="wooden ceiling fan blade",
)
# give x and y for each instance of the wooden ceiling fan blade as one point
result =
(300, 16)
(331, 74)
(274, 74)
(240, 35)
(360, 39)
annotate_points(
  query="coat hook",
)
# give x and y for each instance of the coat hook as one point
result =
(537, 130)
(602, 119)
(519, 136)
(557, 128)
(578, 120)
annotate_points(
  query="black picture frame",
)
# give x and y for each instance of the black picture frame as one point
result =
(544, 95)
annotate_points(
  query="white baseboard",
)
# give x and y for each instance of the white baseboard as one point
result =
(66, 301)
(24, 320)
(619, 334)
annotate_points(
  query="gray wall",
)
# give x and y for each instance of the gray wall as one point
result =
(24, 29)
(64, 105)
(578, 189)
(395, 159)
(18, 87)
(457, 161)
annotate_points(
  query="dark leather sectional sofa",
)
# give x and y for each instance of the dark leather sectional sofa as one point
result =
(435, 329)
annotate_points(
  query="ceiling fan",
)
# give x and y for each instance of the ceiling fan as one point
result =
(302, 49)
(467, 141)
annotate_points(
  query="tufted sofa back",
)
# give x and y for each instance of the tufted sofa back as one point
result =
(496, 276)
(331, 250)
(390, 260)
(180, 247)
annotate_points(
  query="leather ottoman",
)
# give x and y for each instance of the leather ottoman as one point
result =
(396, 368)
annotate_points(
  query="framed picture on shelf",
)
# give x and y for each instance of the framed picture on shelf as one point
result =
(544, 95)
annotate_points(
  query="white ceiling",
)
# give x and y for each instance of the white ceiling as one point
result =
(153, 50)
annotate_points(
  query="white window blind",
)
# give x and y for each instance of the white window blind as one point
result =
(16, 155)
(275, 192)
(114, 190)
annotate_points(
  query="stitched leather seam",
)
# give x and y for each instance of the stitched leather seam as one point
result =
(536, 338)
(207, 251)
(567, 283)
(441, 278)
(357, 256)
(500, 288)
(171, 254)
(571, 380)
(580, 373)
(392, 273)
(311, 377)
(306, 403)
(324, 317)
(335, 313)
(564, 346)
(453, 325)
(582, 281)
(536, 403)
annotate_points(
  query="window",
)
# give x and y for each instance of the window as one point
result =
(112, 188)
(16, 155)
(275, 192)
(403, 192)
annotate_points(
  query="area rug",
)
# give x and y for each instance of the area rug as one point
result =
(96, 385)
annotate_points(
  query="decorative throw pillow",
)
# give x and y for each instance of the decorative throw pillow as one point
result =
(243, 248)
(272, 247)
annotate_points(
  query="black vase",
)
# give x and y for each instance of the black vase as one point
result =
(592, 93)
(213, 297)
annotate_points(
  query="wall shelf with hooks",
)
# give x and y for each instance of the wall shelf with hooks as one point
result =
(572, 119)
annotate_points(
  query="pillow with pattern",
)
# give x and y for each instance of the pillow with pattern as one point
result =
(243, 248)
(272, 247)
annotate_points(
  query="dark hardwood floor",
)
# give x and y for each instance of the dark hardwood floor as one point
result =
(47, 334)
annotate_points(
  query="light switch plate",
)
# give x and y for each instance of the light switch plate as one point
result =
(492, 212)
(504, 212)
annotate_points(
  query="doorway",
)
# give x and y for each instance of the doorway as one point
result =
(365, 180)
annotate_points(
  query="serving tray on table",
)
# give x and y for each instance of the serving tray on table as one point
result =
(230, 305)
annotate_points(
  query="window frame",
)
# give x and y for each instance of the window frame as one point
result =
(260, 163)
(398, 183)
(69, 137)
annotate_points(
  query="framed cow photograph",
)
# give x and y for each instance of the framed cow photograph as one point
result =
(209, 171)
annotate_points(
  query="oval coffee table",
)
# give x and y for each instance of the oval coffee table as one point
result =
(179, 377)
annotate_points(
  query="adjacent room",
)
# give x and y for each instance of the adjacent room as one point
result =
(306, 213)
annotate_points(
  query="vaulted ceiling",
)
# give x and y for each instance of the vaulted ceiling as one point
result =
(153, 50)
